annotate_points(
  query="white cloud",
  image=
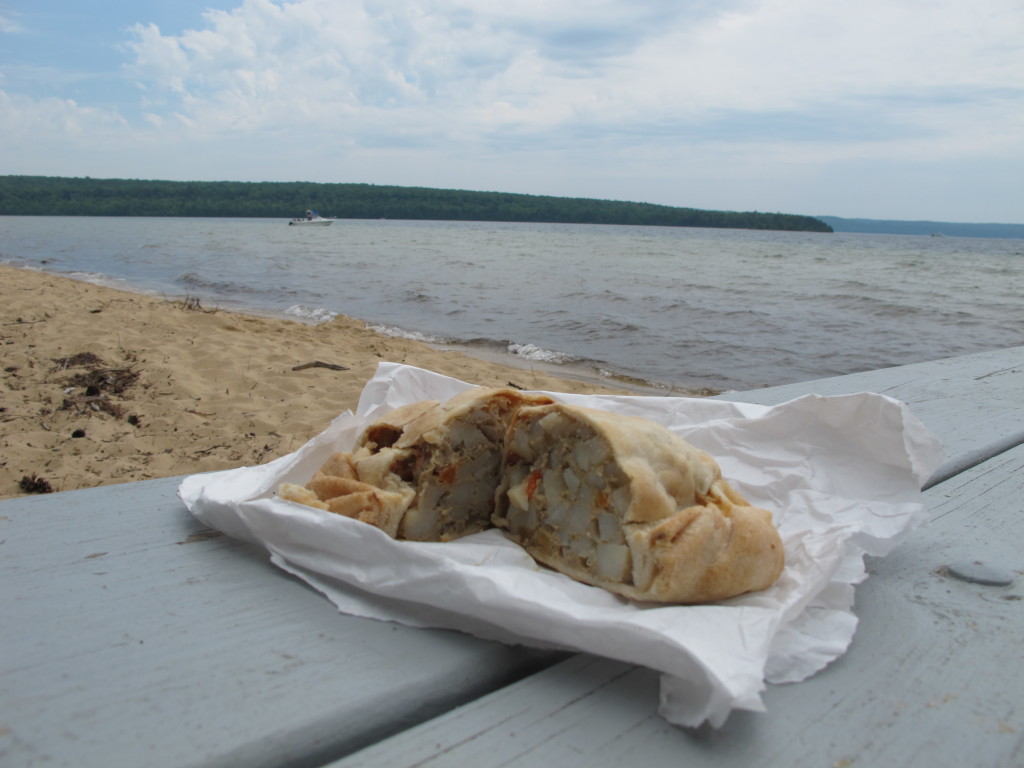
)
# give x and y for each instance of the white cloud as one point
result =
(26, 122)
(462, 70)
(575, 95)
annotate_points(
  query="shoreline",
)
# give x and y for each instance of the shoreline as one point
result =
(581, 371)
(103, 385)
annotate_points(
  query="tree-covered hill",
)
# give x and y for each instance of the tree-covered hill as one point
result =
(58, 196)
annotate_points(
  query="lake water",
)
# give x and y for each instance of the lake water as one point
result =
(687, 308)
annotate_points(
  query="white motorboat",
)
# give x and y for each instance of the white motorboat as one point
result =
(312, 218)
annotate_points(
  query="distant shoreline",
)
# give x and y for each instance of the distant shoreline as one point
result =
(927, 228)
(62, 196)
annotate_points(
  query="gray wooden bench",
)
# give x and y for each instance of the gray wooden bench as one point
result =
(132, 635)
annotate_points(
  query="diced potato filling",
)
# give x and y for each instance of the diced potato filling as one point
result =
(456, 482)
(561, 472)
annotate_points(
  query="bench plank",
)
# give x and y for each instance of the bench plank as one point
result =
(132, 632)
(933, 676)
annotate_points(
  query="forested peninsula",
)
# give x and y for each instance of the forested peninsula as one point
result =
(60, 196)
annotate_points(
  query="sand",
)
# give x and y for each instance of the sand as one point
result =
(102, 386)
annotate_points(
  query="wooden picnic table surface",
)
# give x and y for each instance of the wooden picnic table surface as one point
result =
(933, 677)
(132, 635)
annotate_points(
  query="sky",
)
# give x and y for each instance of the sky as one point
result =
(886, 109)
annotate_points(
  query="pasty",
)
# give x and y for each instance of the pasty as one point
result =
(624, 503)
(615, 501)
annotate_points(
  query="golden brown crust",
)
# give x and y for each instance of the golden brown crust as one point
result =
(339, 465)
(300, 494)
(611, 500)
(706, 553)
(665, 527)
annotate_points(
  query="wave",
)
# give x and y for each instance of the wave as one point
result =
(541, 355)
(106, 281)
(417, 296)
(875, 307)
(401, 333)
(316, 315)
(228, 287)
(192, 280)
(604, 327)
(521, 350)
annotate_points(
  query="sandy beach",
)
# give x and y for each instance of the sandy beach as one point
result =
(102, 386)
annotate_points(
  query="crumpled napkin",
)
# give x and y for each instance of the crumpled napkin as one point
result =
(841, 475)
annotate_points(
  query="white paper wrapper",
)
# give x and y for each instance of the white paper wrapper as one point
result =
(841, 475)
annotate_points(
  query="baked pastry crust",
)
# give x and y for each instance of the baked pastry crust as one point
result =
(426, 471)
(615, 501)
(623, 503)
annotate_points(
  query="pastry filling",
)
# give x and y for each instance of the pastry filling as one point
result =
(566, 497)
(455, 479)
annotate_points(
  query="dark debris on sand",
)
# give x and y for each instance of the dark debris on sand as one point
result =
(35, 484)
(88, 390)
